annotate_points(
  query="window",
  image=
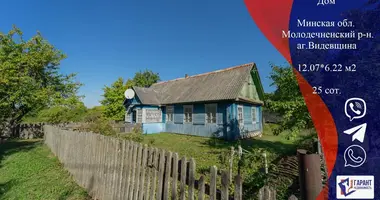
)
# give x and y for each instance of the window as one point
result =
(210, 110)
(188, 114)
(128, 116)
(253, 113)
(169, 113)
(240, 115)
(153, 115)
(139, 116)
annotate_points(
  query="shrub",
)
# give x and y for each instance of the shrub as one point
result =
(135, 135)
(100, 125)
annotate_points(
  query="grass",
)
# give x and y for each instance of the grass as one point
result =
(28, 170)
(209, 151)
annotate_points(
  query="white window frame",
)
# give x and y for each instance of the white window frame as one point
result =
(153, 120)
(216, 113)
(137, 115)
(167, 116)
(184, 114)
(254, 111)
(128, 117)
(242, 115)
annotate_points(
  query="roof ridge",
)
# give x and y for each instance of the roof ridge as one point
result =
(144, 88)
(252, 64)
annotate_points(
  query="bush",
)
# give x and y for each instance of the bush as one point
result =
(93, 114)
(135, 135)
(100, 125)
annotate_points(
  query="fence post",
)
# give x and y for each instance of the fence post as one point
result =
(231, 161)
(161, 170)
(267, 193)
(124, 169)
(265, 162)
(129, 166)
(149, 172)
(201, 188)
(132, 174)
(191, 178)
(168, 169)
(118, 168)
(238, 188)
(175, 176)
(155, 173)
(310, 177)
(213, 172)
(225, 184)
(138, 171)
(240, 153)
(143, 169)
(183, 178)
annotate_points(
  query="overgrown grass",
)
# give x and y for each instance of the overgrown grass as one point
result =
(28, 170)
(210, 151)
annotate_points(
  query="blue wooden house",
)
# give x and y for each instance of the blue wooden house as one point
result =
(225, 103)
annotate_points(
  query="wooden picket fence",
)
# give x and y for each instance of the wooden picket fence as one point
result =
(111, 168)
(269, 193)
(119, 127)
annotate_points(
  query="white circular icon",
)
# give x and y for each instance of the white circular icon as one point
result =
(354, 156)
(355, 108)
(129, 94)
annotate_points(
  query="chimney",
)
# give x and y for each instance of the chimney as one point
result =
(186, 75)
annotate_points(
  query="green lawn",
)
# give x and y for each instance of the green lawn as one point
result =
(28, 170)
(208, 151)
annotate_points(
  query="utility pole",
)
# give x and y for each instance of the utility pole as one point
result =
(310, 177)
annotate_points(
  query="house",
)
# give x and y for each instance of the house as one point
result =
(225, 103)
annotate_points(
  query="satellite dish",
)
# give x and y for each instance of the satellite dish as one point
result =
(129, 94)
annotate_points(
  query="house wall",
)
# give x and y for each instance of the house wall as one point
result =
(250, 127)
(150, 127)
(226, 125)
(231, 122)
(249, 90)
(135, 101)
(198, 127)
(133, 104)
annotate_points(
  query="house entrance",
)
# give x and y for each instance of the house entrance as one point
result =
(134, 116)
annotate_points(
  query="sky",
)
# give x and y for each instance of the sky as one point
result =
(107, 39)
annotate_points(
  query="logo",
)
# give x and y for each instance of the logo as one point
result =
(354, 187)
(354, 156)
(359, 132)
(355, 108)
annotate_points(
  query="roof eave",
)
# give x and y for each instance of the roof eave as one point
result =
(261, 88)
(252, 101)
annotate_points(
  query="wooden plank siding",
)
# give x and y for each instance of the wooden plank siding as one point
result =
(198, 127)
(225, 126)
(248, 91)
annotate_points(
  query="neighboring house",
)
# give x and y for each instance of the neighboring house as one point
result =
(225, 103)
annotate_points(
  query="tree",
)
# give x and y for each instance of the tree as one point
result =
(93, 114)
(60, 114)
(113, 100)
(30, 78)
(145, 78)
(288, 101)
(114, 95)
